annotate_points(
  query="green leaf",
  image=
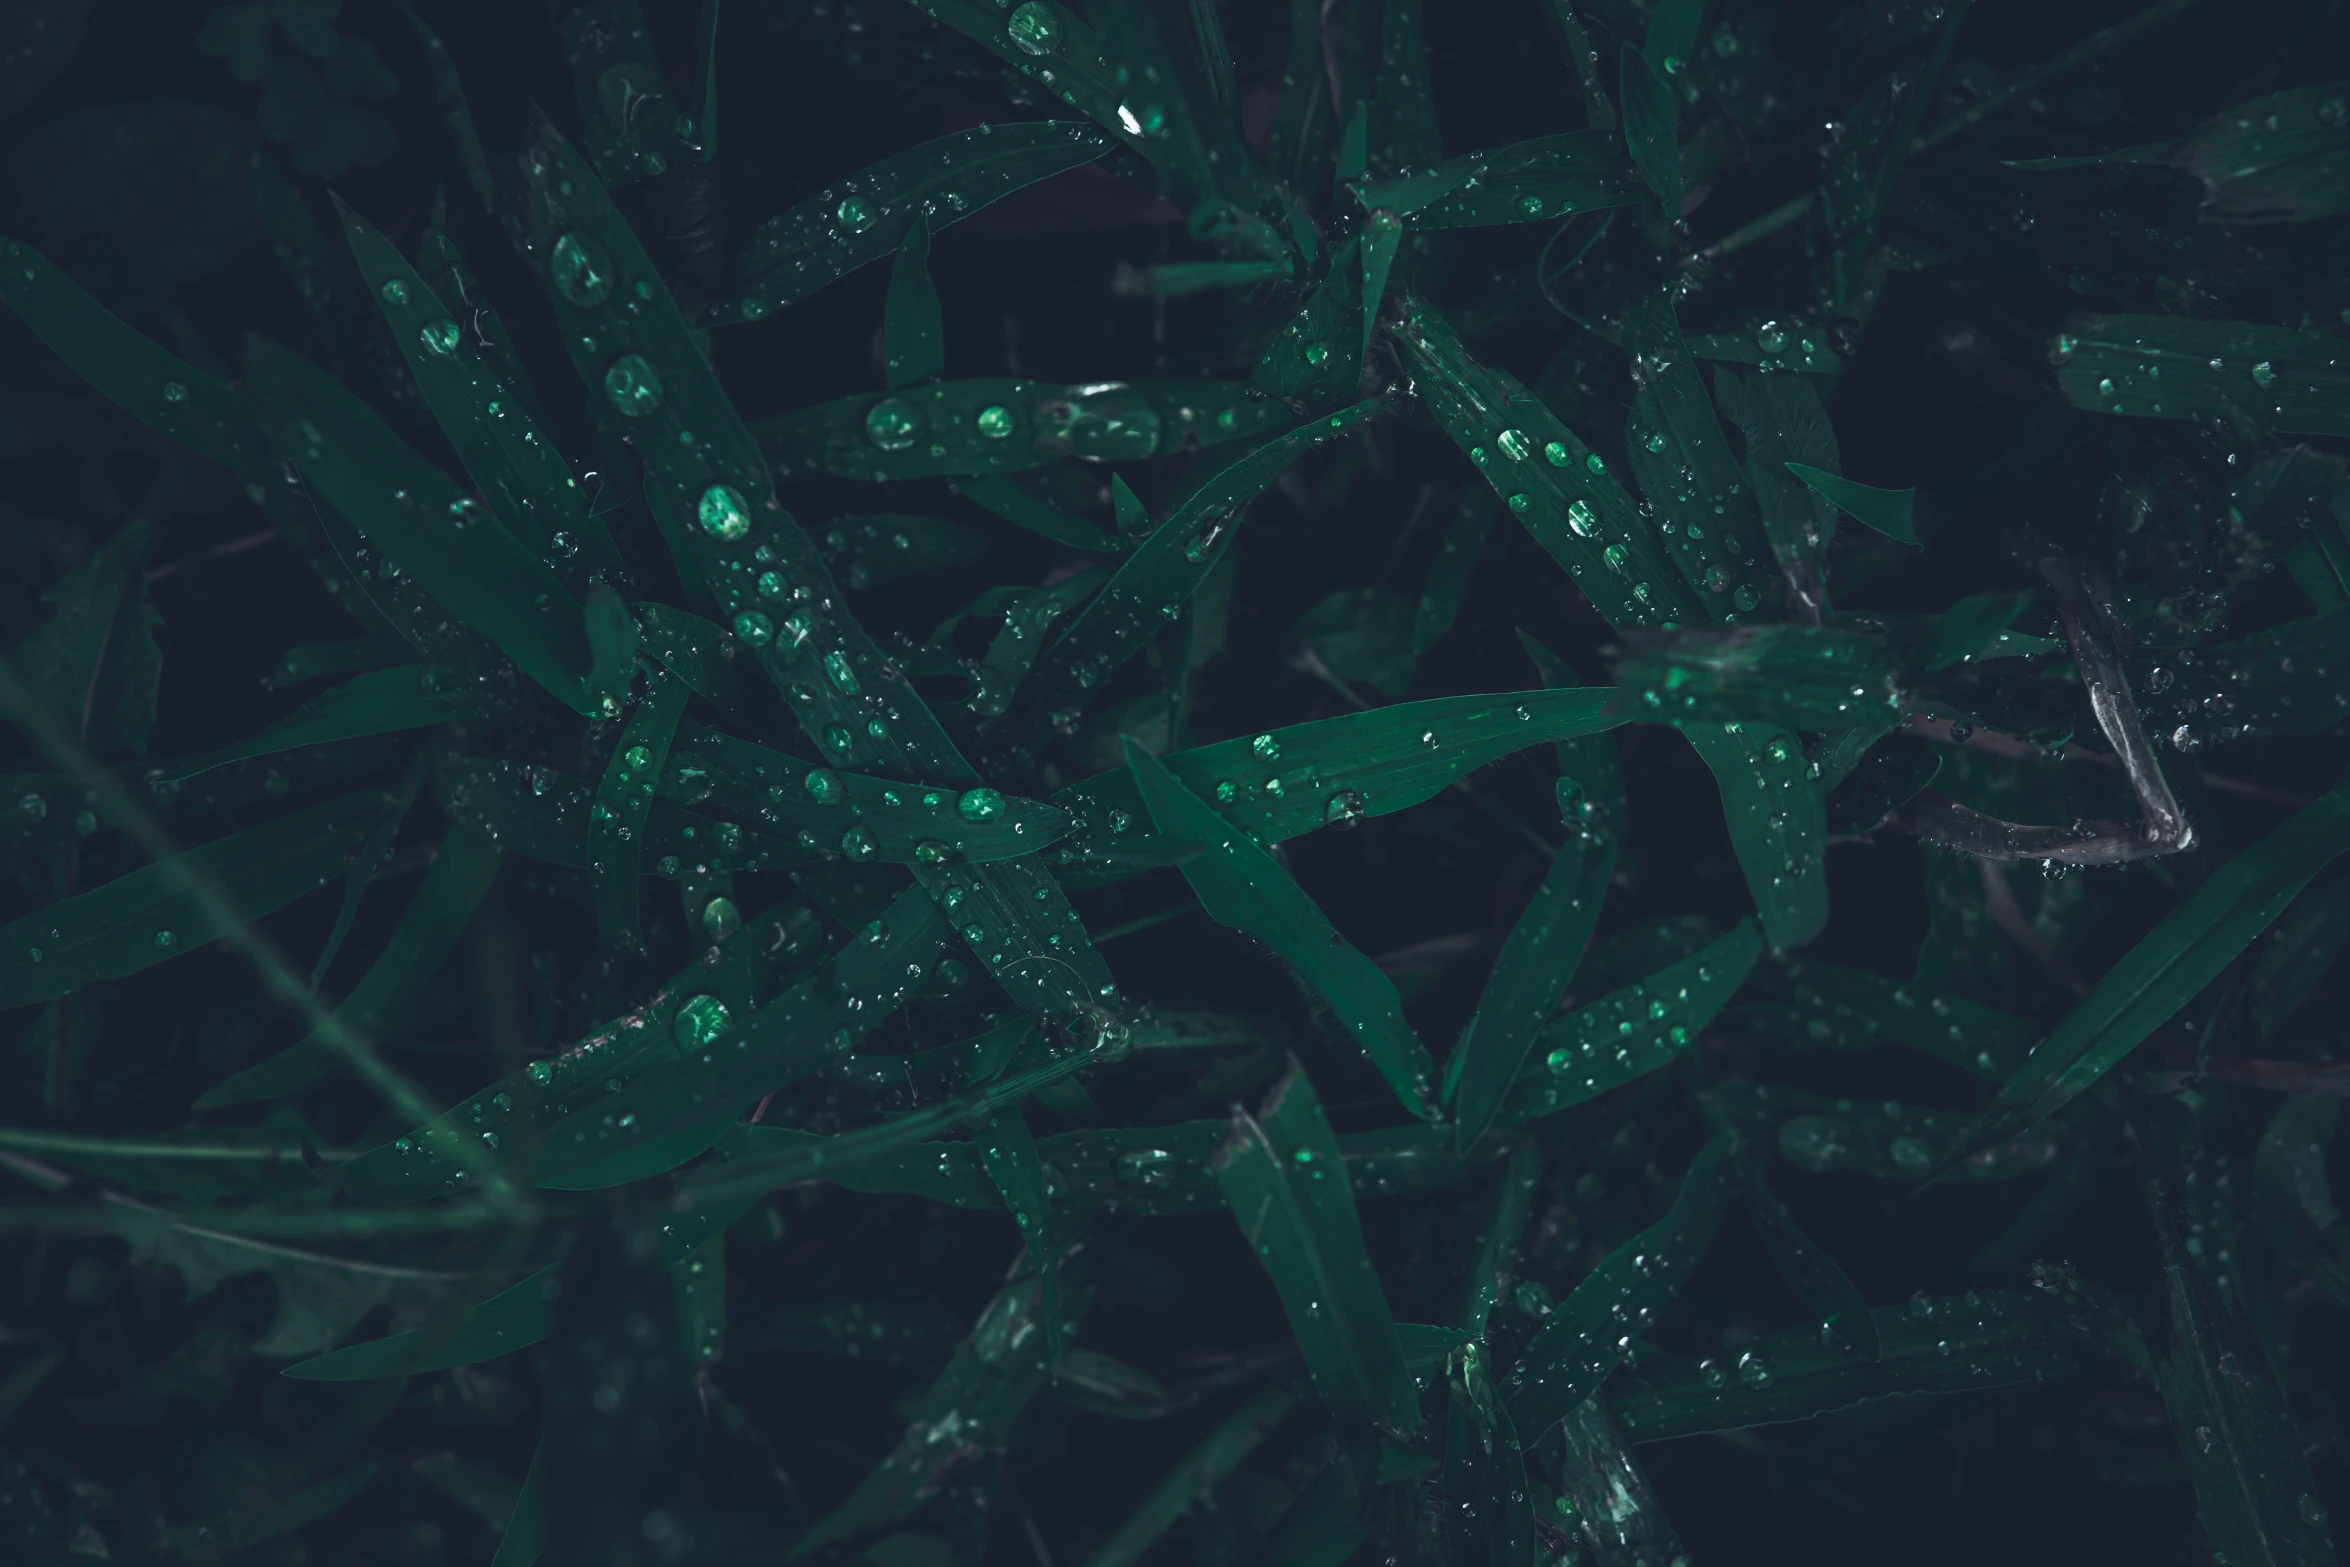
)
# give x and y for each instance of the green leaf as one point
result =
(1154, 583)
(1542, 180)
(459, 878)
(1887, 511)
(1782, 421)
(703, 654)
(2243, 1453)
(2309, 939)
(1842, 1310)
(624, 800)
(526, 1530)
(1300, 141)
(2170, 367)
(871, 552)
(304, 1507)
(476, 398)
(1712, 529)
(1363, 636)
(1996, 1338)
(1315, 361)
(484, 1492)
(1195, 1476)
(1550, 481)
(868, 215)
(512, 1319)
(417, 515)
(1242, 886)
(2169, 965)
(1401, 127)
(1777, 815)
(385, 701)
(1579, 1343)
(541, 814)
(634, 128)
(1888, 776)
(458, 115)
(1529, 979)
(93, 664)
(700, 1284)
(1870, 1008)
(1286, 1183)
(1652, 128)
(912, 349)
(1631, 1031)
(1485, 1485)
(1794, 676)
(1016, 503)
(2295, 1204)
(1497, 1247)
(1774, 344)
(157, 388)
(307, 661)
(2283, 158)
(1449, 573)
(1887, 1140)
(1324, 1526)
(2275, 682)
(179, 904)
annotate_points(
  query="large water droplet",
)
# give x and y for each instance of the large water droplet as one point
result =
(858, 844)
(994, 421)
(723, 513)
(633, 386)
(754, 627)
(1344, 808)
(701, 1022)
(579, 276)
(1034, 29)
(1107, 422)
(440, 336)
(856, 214)
(824, 786)
(893, 424)
(979, 805)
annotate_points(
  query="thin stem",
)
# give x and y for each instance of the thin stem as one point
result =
(2087, 49)
(1761, 228)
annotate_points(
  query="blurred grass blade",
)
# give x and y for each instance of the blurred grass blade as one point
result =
(1777, 814)
(1529, 978)
(1652, 128)
(385, 701)
(1402, 130)
(1242, 886)
(703, 654)
(1997, 1338)
(526, 1531)
(2169, 965)
(624, 801)
(458, 114)
(512, 1319)
(868, 215)
(1455, 562)
(1302, 122)
(2278, 681)
(150, 916)
(1286, 1183)
(94, 664)
(1630, 1032)
(1195, 1477)
(1578, 1344)
(543, 815)
(2168, 367)
(700, 1289)
(459, 878)
(415, 513)
(1324, 1526)
(1887, 511)
(912, 349)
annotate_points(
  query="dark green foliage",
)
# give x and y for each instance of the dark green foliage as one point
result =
(1241, 865)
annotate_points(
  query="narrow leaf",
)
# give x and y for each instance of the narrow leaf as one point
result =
(911, 347)
(385, 701)
(1887, 511)
(513, 1319)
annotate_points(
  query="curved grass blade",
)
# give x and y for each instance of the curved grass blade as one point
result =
(429, 928)
(512, 1319)
(970, 429)
(137, 921)
(526, 1530)
(1242, 886)
(1579, 1343)
(152, 385)
(873, 551)
(458, 115)
(1485, 1486)
(1629, 1033)
(868, 215)
(1286, 1182)
(1794, 344)
(1550, 481)
(1152, 585)
(94, 663)
(1970, 1036)
(912, 347)
(492, 424)
(1778, 819)
(1887, 511)
(1712, 529)
(1449, 573)
(1795, 676)
(385, 701)
(1497, 1246)
(865, 818)
(624, 800)
(1996, 1338)
(1195, 1477)
(1652, 128)
(1529, 979)
(541, 814)
(412, 511)
(2169, 367)
(2283, 158)
(1335, 771)
(307, 661)
(2167, 967)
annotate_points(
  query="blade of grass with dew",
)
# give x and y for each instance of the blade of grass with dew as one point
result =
(1631, 1032)
(1244, 887)
(1580, 1342)
(1315, 361)
(913, 349)
(1970, 1036)
(1791, 675)
(1783, 423)
(1778, 819)
(2169, 965)
(1448, 574)
(703, 654)
(1542, 180)
(1712, 529)
(2168, 367)
(624, 800)
(867, 216)
(1496, 1261)
(385, 701)
(543, 815)
(635, 130)
(459, 878)
(1842, 1311)
(1652, 128)
(1887, 1140)
(146, 917)
(875, 550)
(1286, 1182)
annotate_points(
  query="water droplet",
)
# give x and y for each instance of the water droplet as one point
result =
(2312, 1511)
(174, 392)
(858, 844)
(856, 214)
(754, 627)
(639, 755)
(2105, 387)
(633, 386)
(840, 672)
(1266, 747)
(31, 807)
(979, 805)
(824, 786)
(1656, 441)
(1521, 503)
(893, 424)
(994, 421)
(440, 336)
(1150, 1169)
(166, 940)
(1747, 596)
(2264, 373)
(1713, 1373)
(1034, 29)
(1344, 808)
(700, 1023)
(1770, 337)
(1753, 1370)
(579, 277)
(542, 1072)
(723, 513)
(1316, 353)
(1911, 1154)
(1514, 445)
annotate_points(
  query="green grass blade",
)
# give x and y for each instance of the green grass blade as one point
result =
(2169, 367)
(1537, 181)
(703, 654)
(415, 513)
(1242, 886)
(1887, 511)
(868, 215)
(1302, 122)
(1887, 1140)
(1778, 820)
(1197, 1475)
(1315, 361)
(148, 916)
(383, 702)
(1023, 507)
(2273, 682)
(2169, 965)
(1783, 423)
(1579, 1342)
(541, 814)
(429, 928)
(458, 114)
(624, 801)
(1842, 1310)
(1401, 127)
(1455, 562)
(513, 1319)
(94, 663)
(526, 1530)
(1631, 1032)
(1286, 1183)
(1551, 482)
(1790, 675)
(1497, 1247)
(912, 348)
(700, 1287)
(1970, 1036)
(1712, 529)
(1529, 979)
(1652, 128)
(1997, 1338)
(635, 130)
